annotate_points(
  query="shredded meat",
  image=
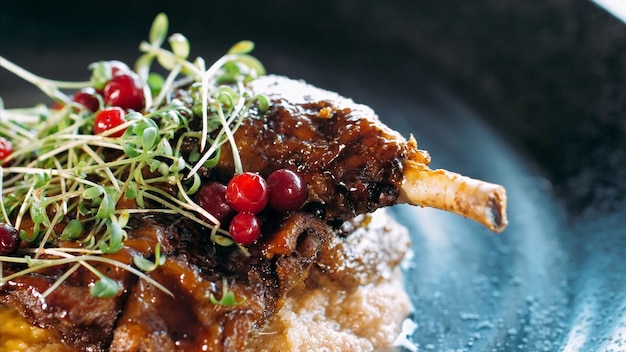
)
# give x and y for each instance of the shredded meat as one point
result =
(145, 318)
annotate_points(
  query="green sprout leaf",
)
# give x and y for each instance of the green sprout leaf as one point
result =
(100, 74)
(139, 199)
(180, 45)
(93, 192)
(178, 165)
(116, 238)
(167, 61)
(164, 148)
(105, 288)
(262, 102)
(72, 230)
(196, 184)
(145, 264)
(153, 164)
(159, 29)
(242, 47)
(30, 237)
(142, 66)
(228, 297)
(155, 81)
(131, 190)
(256, 67)
(149, 137)
(41, 179)
(38, 213)
(123, 218)
(107, 206)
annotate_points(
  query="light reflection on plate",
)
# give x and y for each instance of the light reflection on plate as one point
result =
(544, 284)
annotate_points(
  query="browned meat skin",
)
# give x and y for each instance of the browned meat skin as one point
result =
(352, 163)
(145, 318)
(195, 269)
(84, 322)
(81, 321)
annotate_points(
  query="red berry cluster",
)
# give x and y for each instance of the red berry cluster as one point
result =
(246, 195)
(124, 91)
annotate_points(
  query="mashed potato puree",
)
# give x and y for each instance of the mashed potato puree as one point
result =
(329, 319)
(321, 319)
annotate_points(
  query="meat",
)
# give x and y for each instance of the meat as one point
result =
(352, 162)
(145, 318)
(353, 165)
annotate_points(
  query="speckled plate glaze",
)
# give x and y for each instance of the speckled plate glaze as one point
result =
(547, 283)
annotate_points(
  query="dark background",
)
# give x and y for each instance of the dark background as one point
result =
(548, 75)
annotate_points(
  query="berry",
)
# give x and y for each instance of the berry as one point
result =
(247, 193)
(124, 90)
(87, 97)
(212, 198)
(107, 119)
(287, 190)
(244, 228)
(6, 149)
(9, 239)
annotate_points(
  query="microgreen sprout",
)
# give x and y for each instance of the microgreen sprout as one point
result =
(65, 183)
(228, 297)
(145, 264)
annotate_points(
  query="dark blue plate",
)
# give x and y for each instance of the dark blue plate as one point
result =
(547, 283)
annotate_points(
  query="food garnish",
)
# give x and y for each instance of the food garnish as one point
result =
(76, 172)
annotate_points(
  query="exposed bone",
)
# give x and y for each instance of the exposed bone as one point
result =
(480, 201)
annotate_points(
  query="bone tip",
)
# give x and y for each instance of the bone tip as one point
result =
(496, 210)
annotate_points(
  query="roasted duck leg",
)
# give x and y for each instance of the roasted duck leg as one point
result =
(353, 165)
(352, 162)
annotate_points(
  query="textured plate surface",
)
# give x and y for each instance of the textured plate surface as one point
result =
(544, 284)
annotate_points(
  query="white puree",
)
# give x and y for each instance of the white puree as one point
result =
(327, 318)
(331, 320)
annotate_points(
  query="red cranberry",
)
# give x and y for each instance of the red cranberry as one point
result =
(287, 190)
(247, 193)
(9, 239)
(87, 97)
(109, 118)
(212, 198)
(244, 228)
(6, 149)
(126, 91)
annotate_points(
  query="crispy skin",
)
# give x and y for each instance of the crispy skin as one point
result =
(352, 163)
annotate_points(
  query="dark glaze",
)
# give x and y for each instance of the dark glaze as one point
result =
(351, 162)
